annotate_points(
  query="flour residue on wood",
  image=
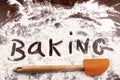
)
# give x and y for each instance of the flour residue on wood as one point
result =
(43, 34)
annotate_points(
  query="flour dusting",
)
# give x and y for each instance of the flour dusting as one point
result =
(85, 22)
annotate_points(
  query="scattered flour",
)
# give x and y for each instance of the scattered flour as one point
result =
(40, 26)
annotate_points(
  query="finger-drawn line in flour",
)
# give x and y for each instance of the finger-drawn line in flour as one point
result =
(17, 49)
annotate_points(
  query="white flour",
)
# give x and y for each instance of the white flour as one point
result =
(56, 23)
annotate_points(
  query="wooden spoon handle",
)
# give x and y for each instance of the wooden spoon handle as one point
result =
(34, 69)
